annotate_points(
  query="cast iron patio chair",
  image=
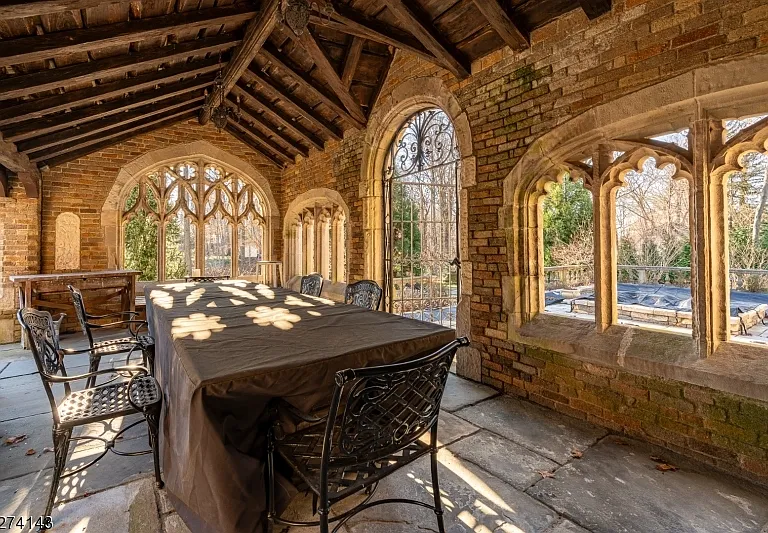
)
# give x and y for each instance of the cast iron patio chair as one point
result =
(365, 293)
(311, 285)
(205, 279)
(376, 419)
(123, 345)
(133, 391)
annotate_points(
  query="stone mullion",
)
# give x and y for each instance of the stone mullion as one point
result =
(200, 235)
(604, 213)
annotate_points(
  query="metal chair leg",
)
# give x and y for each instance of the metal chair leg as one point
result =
(435, 483)
(60, 450)
(152, 415)
(93, 366)
(270, 471)
(324, 511)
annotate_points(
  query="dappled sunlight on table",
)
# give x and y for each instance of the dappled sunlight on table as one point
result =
(298, 302)
(194, 296)
(199, 325)
(161, 298)
(177, 287)
(278, 317)
(240, 293)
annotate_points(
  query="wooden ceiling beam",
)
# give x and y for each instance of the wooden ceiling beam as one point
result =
(249, 94)
(257, 33)
(82, 152)
(431, 39)
(595, 8)
(50, 79)
(306, 82)
(262, 81)
(4, 189)
(46, 46)
(14, 9)
(235, 131)
(351, 60)
(250, 115)
(61, 149)
(108, 123)
(351, 22)
(25, 170)
(503, 24)
(256, 137)
(45, 125)
(60, 102)
(328, 73)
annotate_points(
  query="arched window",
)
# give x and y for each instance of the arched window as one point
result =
(317, 241)
(193, 217)
(421, 213)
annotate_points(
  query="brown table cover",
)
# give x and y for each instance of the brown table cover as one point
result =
(223, 351)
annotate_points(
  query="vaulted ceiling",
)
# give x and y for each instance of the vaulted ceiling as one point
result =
(77, 76)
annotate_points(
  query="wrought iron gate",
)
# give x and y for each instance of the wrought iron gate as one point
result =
(421, 220)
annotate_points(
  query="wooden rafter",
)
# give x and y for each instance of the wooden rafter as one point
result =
(351, 60)
(4, 190)
(380, 85)
(250, 115)
(275, 143)
(307, 83)
(20, 163)
(286, 121)
(328, 73)
(256, 141)
(108, 123)
(42, 47)
(110, 134)
(263, 81)
(14, 9)
(430, 38)
(49, 79)
(595, 8)
(257, 33)
(91, 148)
(45, 125)
(500, 21)
(60, 102)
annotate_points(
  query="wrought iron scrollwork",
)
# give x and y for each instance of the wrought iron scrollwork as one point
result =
(426, 141)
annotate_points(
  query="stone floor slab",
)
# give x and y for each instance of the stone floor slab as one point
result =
(504, 459)
(460, 392)
(618, 488)
(539, 429)
(566, 526)
(473, 499)
(450, 429)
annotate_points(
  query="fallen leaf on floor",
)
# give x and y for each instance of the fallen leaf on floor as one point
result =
(14, 440)
(31, 451)
(47, 450)
(577, 454)
(546, 473)
(666, 467)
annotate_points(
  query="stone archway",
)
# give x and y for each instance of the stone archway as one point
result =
(392, 112)
(111, 210)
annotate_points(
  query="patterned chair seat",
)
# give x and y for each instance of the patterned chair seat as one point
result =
(109, 401)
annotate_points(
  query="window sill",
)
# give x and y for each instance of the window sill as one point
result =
(735, 368)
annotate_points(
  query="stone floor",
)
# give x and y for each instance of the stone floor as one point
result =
(505, 466)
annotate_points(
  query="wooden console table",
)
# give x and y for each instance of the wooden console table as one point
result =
(50, 292)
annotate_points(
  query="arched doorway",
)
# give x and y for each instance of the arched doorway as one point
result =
(421, 212)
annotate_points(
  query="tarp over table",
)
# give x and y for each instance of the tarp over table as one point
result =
(223, 351)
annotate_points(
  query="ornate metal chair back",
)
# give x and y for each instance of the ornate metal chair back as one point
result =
(311, 285)
(205, 279)
(364, 293)
(82, 314)
(386, 408)
(43, 341)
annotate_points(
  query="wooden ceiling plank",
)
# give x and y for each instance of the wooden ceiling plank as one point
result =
(15, 9)
(380, 85)
(43, 126)
(503, 24)
(115, 132)
(242, 137)
(60, 102)
(20, 163)
(266, 139)
(265, 82)
(595, 8)
(46, 80)
(105, 124)
(46, 46)
(250, 115)
(257, 33)
(82, 152)
(256, 137)
(328, 73)
(430, 38)
(278, 116)
(306, 82)
(352, 58)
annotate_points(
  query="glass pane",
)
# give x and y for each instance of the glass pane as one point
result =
(180, 234)
(569, 283)
(213, 174)
(140, 246)
(250, 239)
(679, 138)
(133, 197)
(218, 246)
(734, 126)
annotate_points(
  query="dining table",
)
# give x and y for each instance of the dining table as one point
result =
(225, 353)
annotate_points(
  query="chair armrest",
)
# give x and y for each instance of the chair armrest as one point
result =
(285, 407)
(119, 313)
(123, 324)
(133, 369)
